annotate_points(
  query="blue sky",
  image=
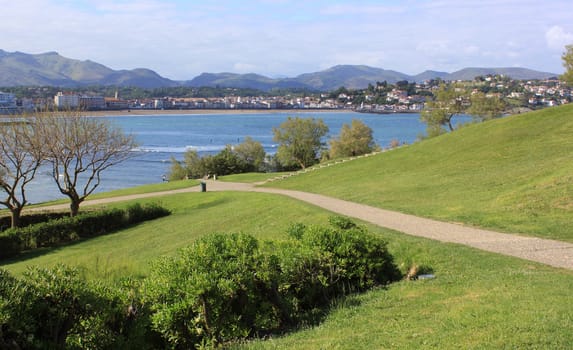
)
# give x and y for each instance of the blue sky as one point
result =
(181, 39)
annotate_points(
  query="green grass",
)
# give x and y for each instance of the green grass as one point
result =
(130, 251)
(158, 187)
(513, 174)
(249, 177)
(477, 300)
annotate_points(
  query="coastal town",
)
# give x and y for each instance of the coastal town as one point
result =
(402, 97)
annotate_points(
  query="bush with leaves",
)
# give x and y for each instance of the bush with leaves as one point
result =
(57, 309)
(226, 287)
(357, 259)
(68, 229)
(218, 289)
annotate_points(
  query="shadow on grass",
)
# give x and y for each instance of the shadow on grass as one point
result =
(212, 203)
(38, 252)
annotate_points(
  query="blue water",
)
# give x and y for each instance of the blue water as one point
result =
(165, 136)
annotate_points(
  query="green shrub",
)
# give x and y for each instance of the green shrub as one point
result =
(10, 245)
(356, 259)
(68, 229)
(57, 309)
(31, 219)
(220, 288)
(226, 287)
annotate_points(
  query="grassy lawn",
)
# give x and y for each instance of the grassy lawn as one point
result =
(130, 251)
(513, 174)
(477, 300)
(158, 187)
(250, 177)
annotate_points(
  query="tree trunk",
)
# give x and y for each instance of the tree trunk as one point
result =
(74, 207)
(450, 123)
(15, 216)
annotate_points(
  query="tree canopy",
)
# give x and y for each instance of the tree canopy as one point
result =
(300, 141)
(354, 139)
(568, 64)
(451, 100)
(438, 113)
(246, 157)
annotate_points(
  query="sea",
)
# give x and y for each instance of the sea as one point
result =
(161, 138)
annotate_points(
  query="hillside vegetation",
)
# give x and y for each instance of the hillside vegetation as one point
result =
(477, 300)
(513, 174)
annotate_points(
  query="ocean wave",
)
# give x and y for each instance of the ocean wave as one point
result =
(178, 149)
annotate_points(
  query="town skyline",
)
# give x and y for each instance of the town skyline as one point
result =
(279, 38)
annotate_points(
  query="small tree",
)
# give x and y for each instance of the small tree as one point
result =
(438, 113)
(192, 166)
(79, 149)
(225, 162)
(251, 152)
(567, 58)
(484, 107)
(300, 141)
(354, 140)
(20, 157)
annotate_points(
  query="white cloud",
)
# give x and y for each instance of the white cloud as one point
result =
(556, 38)
(180, 39)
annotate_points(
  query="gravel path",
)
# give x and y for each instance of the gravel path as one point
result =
(550, 252)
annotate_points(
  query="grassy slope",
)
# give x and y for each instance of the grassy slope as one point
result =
(513, 174)
(477, 299)
(130, 251)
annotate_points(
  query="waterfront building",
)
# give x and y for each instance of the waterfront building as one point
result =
(7, 100)
(91, 103)
(67, 100)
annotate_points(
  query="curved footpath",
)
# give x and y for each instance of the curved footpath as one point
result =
(546, 251)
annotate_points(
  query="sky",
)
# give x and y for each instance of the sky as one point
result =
(284, 38)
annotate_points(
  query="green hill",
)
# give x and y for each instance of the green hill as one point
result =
(513, 174)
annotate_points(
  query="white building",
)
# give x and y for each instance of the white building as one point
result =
(70, 100)
(7, 100)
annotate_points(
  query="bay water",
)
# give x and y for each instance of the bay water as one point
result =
(161, 137)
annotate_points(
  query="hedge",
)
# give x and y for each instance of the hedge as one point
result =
(63, 230)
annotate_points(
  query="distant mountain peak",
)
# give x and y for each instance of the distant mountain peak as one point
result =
(50, 68)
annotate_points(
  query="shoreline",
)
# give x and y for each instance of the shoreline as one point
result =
(159, 112)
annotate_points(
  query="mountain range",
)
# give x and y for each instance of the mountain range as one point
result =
(52, 69)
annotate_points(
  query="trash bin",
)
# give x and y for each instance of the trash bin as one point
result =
(203, 186)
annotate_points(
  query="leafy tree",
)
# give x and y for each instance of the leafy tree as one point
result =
(20, 157)
(484, 107)
(79, 149)
(438, 113)
(300, 141)
(177, 171)
(192, 166)
(251, 152)
(568, 64)
(355, 139)
(225, 162)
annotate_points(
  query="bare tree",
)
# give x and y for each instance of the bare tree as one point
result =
(79, 149)
(20, 158)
